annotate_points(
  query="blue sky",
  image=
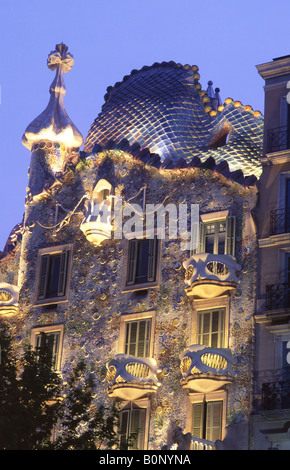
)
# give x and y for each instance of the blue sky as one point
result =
(108, 39)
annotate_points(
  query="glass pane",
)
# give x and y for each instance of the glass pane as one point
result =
(142, 261)
(222, 227)
(206, 322)
(209, 244)
(54, 268)
(221, 244)
(215, 320)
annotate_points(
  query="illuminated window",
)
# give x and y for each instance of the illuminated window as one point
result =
(211, 327)
(207, 420)
(52, 274)
(138, 335)
(218, 237)
(132, 428)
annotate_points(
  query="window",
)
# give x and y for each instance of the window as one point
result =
(138, 334)
(207, 420)
(51, 336)
(211, 327)
(52, 274)
(52, 341)
(218, 236)
(132, 428)
(142, 263)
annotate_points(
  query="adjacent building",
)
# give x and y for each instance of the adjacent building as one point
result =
(271, 406)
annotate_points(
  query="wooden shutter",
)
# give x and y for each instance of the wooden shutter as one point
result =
(63, 273)
(201, 244)
(214, 420)
(197, 421)
(152, 259)
(230, 236)
(44, 270)
(132, 261)
(124, 430)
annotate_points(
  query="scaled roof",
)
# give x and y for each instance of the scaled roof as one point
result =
(163, 109)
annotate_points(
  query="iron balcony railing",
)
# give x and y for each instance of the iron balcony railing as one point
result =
(276, 395)
(278, 296)
(279, 221)
(278, 139)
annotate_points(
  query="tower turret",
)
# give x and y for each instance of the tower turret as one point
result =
(52, 137)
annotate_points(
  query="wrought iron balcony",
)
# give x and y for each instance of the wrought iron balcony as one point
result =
(132, 377)
(276, 395)
(278, 296)
(278, 139)
(279, 221)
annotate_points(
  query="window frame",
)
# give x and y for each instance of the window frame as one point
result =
(47, 254)
(142, 404)
(49, 329)
(200, 398)
(215, 218)
(211, 304)
(131, 286)
(220, 330)
(134, 317)
(204, 426)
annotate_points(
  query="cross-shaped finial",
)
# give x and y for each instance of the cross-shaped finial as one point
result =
(60, 57)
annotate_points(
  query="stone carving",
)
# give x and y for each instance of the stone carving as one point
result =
(209, 275)
(131, 377)
(8, 298)
(97, 224)
(206, 369)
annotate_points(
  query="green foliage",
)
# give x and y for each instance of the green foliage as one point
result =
(84, 427)
(35, 402)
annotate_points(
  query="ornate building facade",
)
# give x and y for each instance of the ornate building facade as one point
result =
(140, 254)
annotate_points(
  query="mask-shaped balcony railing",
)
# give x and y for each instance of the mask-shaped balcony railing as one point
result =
(278, 139)
(278, 296)
(132, 377)
(208, 275)
(279, 221)
(205, 369)
(8, 298)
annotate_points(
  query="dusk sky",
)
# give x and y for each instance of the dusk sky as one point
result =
(108, 39)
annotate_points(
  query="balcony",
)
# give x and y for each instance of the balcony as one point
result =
(205, 369)
(278, 139)
(279, 221)
(132, 377)
(8, 298)
(209, 275)
(278, 296)
(276, 395)
(196, 443)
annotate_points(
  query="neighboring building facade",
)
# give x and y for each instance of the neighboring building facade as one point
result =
(166, 327)
(271, 417)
